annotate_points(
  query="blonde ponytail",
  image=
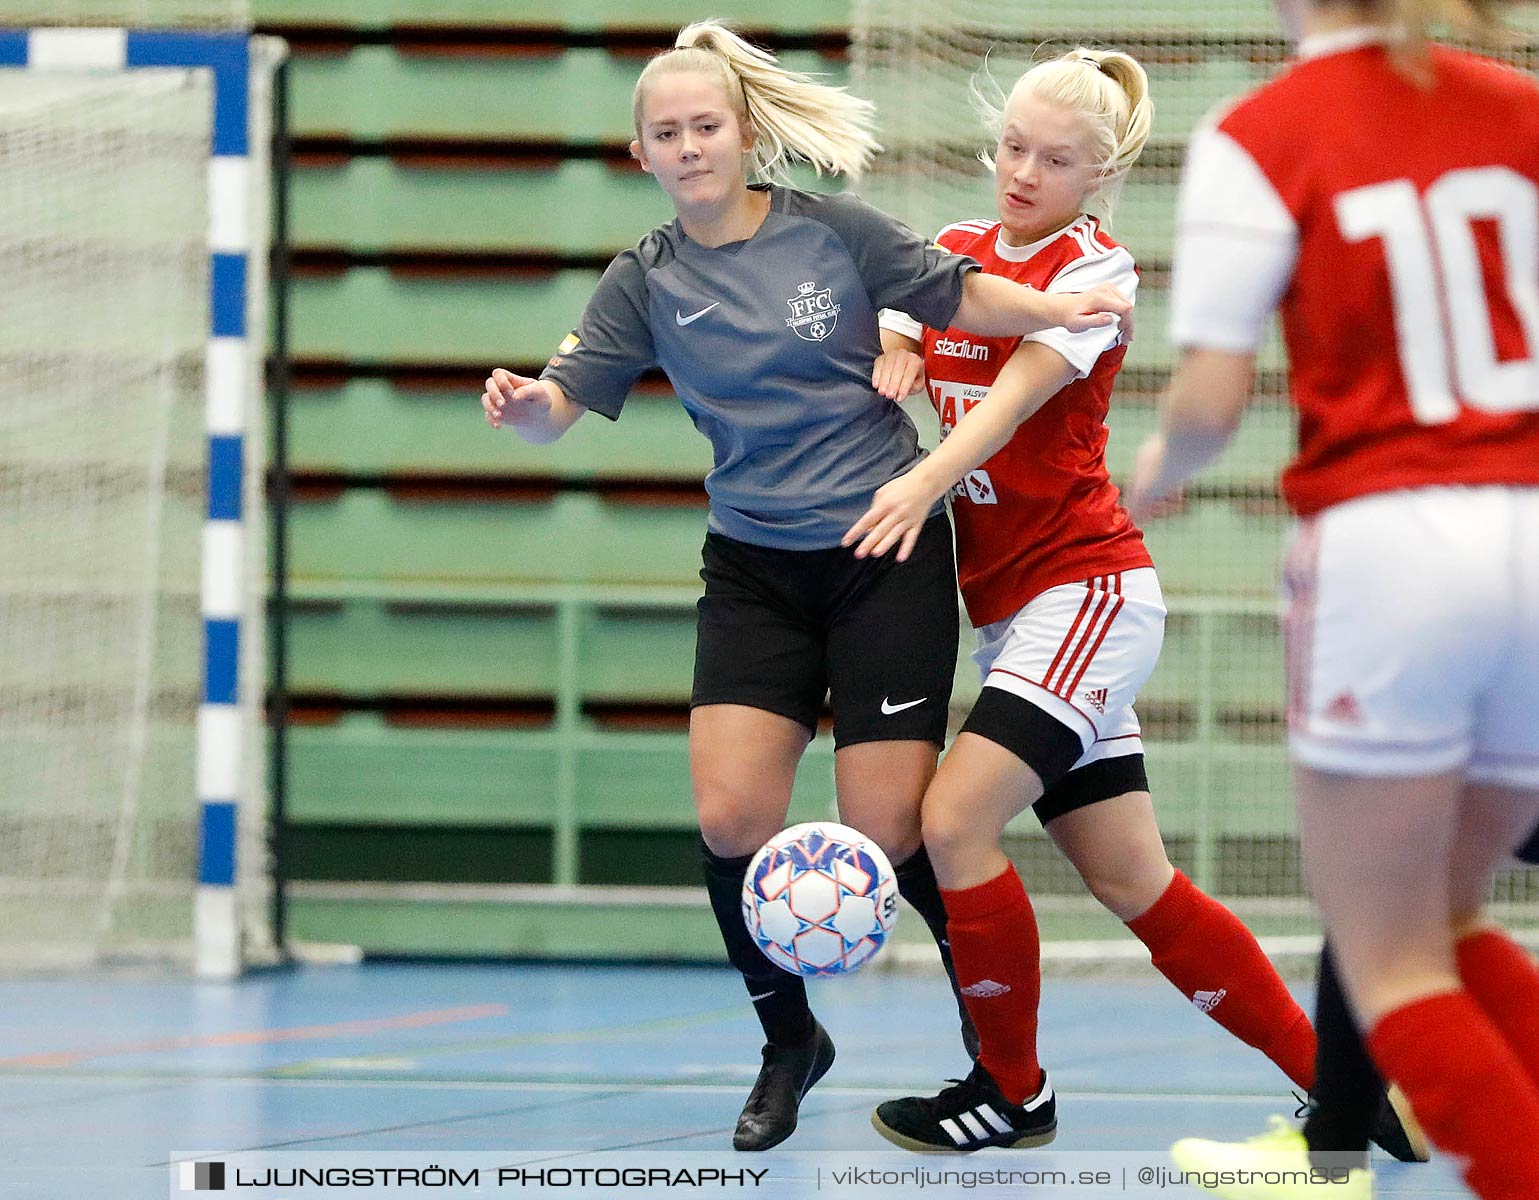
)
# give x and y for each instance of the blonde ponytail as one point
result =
(791, 115)
(1411, 24)
(1108, 87)
(1414, 20)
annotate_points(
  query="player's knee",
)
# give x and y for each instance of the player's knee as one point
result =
(1128, 888)
(898, 845)
(895, 830)
(732, 825)
(951, 832)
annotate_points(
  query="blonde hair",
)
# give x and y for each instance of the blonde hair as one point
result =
(790, 115)
(1414, 19)
(1411, 24)
(1106, 86)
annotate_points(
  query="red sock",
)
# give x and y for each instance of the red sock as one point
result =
(1467, 1088)
(1501, 978)
(994, 946)
(1202, 948)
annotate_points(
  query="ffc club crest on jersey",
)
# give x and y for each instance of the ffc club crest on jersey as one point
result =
(813, 313)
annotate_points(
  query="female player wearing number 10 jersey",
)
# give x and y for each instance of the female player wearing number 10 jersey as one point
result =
(1384, 195)
(1069, 617)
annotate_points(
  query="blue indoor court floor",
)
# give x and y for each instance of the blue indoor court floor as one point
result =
(103, 1076)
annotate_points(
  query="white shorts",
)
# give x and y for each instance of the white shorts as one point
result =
(1411, 635)
(1080, 652)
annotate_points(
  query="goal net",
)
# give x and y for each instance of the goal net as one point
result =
(1212, 713)
(104, 330)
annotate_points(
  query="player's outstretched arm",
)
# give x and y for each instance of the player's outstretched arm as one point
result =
(1034, 374)
(996, 307)
(1199, 414)
(535, 409)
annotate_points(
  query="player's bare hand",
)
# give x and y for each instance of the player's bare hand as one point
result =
(898, 512)
(1100, 306)
(898, 373)
(1146, 496)
(511, 398)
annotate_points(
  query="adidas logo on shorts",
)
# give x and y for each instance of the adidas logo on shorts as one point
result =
(1208, 1001)
(985, 989)
(1345, 710)
(1096, 698)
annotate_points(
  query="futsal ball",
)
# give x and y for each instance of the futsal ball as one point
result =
(820, 899)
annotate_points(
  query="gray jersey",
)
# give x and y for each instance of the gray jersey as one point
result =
(769, 344)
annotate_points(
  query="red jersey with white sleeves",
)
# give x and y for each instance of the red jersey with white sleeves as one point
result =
(1042, 511)
(1396, 226)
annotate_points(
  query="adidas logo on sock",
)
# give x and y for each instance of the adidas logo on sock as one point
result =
(985, 989)
(1208, 1001)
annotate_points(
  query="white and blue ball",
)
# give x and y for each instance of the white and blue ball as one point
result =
(820, 899)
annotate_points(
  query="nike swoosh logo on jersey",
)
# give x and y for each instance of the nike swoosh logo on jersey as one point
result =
(888, 709)
(695, 316)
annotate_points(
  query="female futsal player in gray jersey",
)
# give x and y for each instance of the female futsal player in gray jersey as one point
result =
(760, 303)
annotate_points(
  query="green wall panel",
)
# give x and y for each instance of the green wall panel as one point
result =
(370, 427)
(637, 654)
(364, 771)
(371, 648)
(572, 537)
(791, 15)
(1217, 547)
(1233, 659)
(576, 207)
(368, 313)
(501, 925)
(577, 95)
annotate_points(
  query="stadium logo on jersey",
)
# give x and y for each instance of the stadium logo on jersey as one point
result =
(813, 313)
(1208, 1001)
(961, 349)
(1096, 698)
(985, 989)
(977, 487)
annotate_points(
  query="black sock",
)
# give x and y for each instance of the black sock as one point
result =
(779, 997)
(917, 885)
(1347, 1087)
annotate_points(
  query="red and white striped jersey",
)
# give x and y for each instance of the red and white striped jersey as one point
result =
(1396, 226)
(1042, 511)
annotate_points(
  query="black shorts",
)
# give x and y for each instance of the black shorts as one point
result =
(782, 629)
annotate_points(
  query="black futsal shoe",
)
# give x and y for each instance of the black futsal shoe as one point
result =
(968, 1116)
(788, 1073)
